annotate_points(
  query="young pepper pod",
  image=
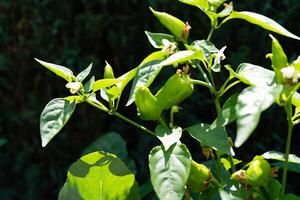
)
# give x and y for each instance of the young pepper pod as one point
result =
(147, 105)
(199, 177)
(177, 88)
(257, 174)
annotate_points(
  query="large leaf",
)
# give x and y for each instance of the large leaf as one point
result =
(147, 71)
(53, 118)
(168, 137)
(211, 136)
(169, 171)
(206, 46)
(156, 39)
(112, 142)
(255, 75)
(261, 21)
(61, 71)
(250, 104)
(290, 197)
(99, 176)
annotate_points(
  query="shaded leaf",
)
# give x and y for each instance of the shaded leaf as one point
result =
(99, 176)
(211, 136)
(88, 86)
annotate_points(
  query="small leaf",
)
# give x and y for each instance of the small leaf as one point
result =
(201, 4)
(74, 98)
(168, 137)
(156, 39)
(61, 71)
(273, 188)
(228, 113)
(173, 24)
(88, 86)
(99, 176)
(182, 56)
(206, 46)
(262, 21)
(226, 163)
(82, 75)
(211, 136)
(103, 83)
(250, 104)
(169, 171)
(53, 118)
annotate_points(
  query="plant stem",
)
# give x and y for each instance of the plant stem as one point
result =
(114, 113)
(133, 123)
(198, 82)
(288, 110)
(211, 32)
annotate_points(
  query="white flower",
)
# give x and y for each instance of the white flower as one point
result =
(73, 86)
(169, 47)
(220, 55)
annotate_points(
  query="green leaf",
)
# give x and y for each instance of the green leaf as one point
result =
(211, 136)
(103, 83)
(206, 46)
(181, 57)
(273, 188)
(61, 71)
(88, 86)
(53, 118)
(173, 24)
(146, 74)
(82, 75)
(112, 142)
(255, 75)
(99, 176)
(168, 137)
(228, 113)
(226, 163)
(169, 171)
(156, 39)
(274, 155)
(126, 78)
(262, 21)
(290, 197)
(250, 104)
(74, 98)
(201, 4)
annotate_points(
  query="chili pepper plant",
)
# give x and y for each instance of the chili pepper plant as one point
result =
(196, 64)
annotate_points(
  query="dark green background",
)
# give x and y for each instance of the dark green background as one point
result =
(75, 33)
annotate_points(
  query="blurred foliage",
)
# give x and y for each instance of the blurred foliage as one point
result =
(75, 33)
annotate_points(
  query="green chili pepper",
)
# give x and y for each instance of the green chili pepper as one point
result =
(198, 178)
(177, 88)
(147, 104)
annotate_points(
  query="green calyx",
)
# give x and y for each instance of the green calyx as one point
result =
(177, 88)
(198, 178)
(147, 104)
